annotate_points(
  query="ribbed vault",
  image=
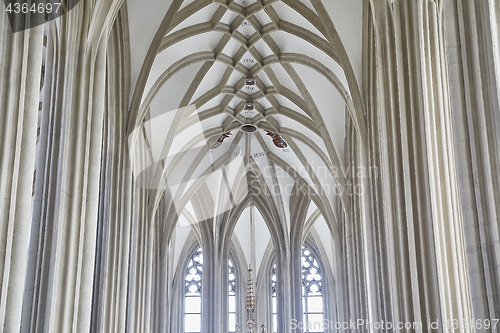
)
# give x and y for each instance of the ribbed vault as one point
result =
(257, 84)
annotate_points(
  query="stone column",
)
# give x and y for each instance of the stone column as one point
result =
(114, 241)
(59, 288)
(20, 70)
(427, 268)
(473, 48)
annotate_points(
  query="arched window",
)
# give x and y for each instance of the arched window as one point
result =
(232, 297)
(274, 306)
(312, 291)
(192, 293)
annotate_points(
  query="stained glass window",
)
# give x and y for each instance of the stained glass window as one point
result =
(312, 291)
(232, 297)
(192, 293)
(274, 305)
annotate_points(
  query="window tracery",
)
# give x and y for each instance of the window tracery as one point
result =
(192, 293)
(312, 291)
(274, 305)
(232, 304)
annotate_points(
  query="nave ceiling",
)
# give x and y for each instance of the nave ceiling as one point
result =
(238, 98)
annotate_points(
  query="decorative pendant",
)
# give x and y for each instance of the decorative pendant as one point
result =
(221, 140)
(277, 139)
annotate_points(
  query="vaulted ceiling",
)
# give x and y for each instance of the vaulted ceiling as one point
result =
(229, 93)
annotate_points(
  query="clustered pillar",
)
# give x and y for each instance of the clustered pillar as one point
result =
(20, 72)
(416, 195)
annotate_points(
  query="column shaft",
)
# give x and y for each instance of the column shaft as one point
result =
(427, 267)
(474, 63)
(20, 70)
(58, 295)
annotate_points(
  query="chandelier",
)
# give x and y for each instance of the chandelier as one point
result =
(250, 306)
